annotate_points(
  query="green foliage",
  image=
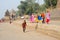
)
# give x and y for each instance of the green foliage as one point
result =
(42, 8)
(29, 7)
(50, 3)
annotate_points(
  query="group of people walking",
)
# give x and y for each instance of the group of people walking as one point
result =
(42, 18)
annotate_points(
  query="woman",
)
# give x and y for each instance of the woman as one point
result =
(39, 18)
(47, 17)
(32, 18)
(43, 17)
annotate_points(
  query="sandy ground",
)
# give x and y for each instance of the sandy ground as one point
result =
(14, 31)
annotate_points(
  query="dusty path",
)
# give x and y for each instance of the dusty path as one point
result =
(14, 32)
(52, 29)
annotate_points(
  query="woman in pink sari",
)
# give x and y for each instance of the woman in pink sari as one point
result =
(32, 18)
(47, 17)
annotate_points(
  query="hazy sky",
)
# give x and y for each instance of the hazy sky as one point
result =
(11, 4)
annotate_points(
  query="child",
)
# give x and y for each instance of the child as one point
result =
(24, 25)
(36, 26)
(10, 20)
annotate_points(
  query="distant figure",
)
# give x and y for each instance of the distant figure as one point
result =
(36, 26)
(47, 17)
(3, 19)
(24, 25)
(32, 18)
(10, 19)
(0, 20)
(43, 17)
(12, 16)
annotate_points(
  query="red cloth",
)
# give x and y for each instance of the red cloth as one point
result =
(47, 20)
(0, 20)
(24, 25)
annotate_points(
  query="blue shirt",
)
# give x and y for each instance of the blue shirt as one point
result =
(39, 18)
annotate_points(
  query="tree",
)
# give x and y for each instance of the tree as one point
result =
(50, 3)
(28, 7)
(22, 7)
(7, 13)
(42, 8)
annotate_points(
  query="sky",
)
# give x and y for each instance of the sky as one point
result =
(11, 4)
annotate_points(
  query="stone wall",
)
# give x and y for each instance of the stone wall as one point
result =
(55, 13)
(58, 4)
